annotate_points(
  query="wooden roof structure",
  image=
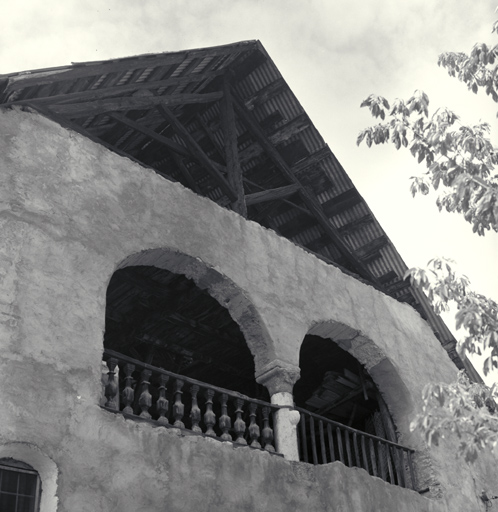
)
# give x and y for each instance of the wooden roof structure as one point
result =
(223, 122)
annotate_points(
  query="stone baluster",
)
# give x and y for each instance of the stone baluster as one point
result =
(111, 388)
(162, 404)
(128, 394)
(253, 426)
(178, 407)
(267, 432)
(224, 421)
(209, 415)
(195, 412)
(239, 424)
(145, 400)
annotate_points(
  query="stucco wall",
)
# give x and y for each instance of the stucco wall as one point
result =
(71, 214)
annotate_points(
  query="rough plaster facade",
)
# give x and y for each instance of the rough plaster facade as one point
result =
(71, 214)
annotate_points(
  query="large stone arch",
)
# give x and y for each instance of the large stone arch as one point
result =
(227, 293)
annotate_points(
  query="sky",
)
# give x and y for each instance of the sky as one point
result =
(333, 54)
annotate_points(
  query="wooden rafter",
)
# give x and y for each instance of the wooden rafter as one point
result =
(313, 159)
(101, 106)
(266, 93)
(306, 197)
(139, 127)
(209, 165)
(185, 172)
(272, 194)
(281, 134)
(106, 92)
(356, 224)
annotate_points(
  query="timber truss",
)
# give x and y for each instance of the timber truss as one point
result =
(223, 122)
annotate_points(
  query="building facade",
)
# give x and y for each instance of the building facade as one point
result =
(164, 350)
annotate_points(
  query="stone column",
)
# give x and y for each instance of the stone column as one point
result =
(279, 378)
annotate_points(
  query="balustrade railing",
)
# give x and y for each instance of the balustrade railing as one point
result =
(322, 441)
(143, 391)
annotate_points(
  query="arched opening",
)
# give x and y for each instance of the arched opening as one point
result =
(335, 385)
(165, 320)
(343, 415)
(174, 355)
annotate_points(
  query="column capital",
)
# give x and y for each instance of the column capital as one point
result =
(279, 376)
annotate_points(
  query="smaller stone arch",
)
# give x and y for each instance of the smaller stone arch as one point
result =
(45, 467)
(374, 401)
(391, 386)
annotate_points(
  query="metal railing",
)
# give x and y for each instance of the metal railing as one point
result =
(142, 391)
(322, 441)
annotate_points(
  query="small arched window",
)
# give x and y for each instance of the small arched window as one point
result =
(20, 487)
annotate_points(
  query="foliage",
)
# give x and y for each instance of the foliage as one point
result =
(460, 159)
(466, 409)
(476, 314)
(461, 163)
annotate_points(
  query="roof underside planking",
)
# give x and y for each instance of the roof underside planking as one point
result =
(223, 122)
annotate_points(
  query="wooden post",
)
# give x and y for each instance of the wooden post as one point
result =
(331, 443)
(234, 170)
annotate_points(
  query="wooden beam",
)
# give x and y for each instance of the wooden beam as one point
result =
(185, 172)
(278, 136)
(272, 194)
(342, 202)
(234, 170)
(105, 92)
(89, 108)
(169, 143)
(397, 287)
(307, 198)
(209, 134)
(370, 250)
(313, 159)
(389, 276)
(266, 93)
(356, 224)
(289, 129)
(211, 167)
(285, 201)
